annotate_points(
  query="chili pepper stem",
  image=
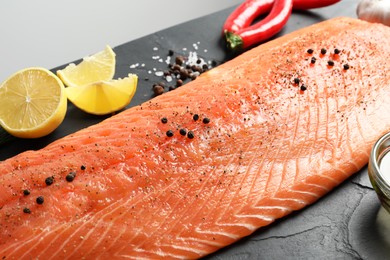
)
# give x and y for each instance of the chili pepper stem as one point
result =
(234, 42)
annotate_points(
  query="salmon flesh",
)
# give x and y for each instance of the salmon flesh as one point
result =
(196, 169)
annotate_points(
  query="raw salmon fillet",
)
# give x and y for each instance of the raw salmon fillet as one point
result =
(272, 145)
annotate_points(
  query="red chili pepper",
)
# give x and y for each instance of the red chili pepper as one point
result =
(266, 28)
(242, 17)
(246, 13)
(311, 4)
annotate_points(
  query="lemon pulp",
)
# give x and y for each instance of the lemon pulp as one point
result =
(33, 103)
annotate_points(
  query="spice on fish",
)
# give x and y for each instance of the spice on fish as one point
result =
(70, 176)
(169, 133)
(336, 51)
(183, 132)
(206, 120)
(164, 120)
(296, 81)
(313, 60)
(40, 200)
(323, 51)
(330, 63)
(26, 192)
(310, 51)
(303, 87)
(27, 210)
(345, 66)
(49, 180)
(195, 117)
(190, 135)
(82, 167)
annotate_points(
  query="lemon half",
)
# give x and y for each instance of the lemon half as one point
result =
(33, 103)
(103, 97)
(97, 67)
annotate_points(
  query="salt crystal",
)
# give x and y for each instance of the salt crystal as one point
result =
(159, 73)
(161, 60)
(155, 49)
(168, 60)
(155, 57)
(205, 50)
(168, 78)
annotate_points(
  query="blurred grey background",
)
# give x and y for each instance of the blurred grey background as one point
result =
(50, 33)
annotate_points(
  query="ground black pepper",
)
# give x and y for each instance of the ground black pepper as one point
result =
(49, 181)
(169, 133)
(164, 120)
(26, 192)
(27, 210)
(40, 200)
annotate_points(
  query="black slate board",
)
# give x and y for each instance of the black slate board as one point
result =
(348, 223)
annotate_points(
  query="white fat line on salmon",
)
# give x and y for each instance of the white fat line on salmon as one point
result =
(202, 241)
(159, 253)
(305, 192)
(261, 217)
(210, 232)
(188, 249)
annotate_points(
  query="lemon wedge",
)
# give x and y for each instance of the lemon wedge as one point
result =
(32, 103)
(103, 97)
(97, 67)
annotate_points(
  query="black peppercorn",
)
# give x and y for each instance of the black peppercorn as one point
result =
(190, 135)
(310, 51)
(346, 66)
(296, 80)
(330, 63)
(303, 87)
(313, 60)
(27, 210)
(183, 132)
(169, 133)
(206, 120)
(164, 120)
(40, 200)
(323, 51)
(49, 181)
(82, 167)
(195, 117)
(26, 192)
(336, 51)
(70, 176)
